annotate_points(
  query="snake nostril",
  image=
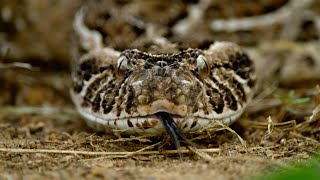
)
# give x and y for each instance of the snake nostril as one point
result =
(156, 70)
(167, 71)
(163, 71)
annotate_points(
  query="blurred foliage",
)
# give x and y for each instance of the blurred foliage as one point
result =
(292, 100)
(307, 170)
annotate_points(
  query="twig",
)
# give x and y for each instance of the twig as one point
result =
(247, 23)
(195, 14)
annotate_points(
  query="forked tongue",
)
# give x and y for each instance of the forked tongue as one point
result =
(172, 129)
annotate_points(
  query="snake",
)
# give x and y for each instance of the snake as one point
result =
(128, 77)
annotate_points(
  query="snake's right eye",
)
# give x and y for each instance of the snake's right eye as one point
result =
(203, 66)
(122, 65)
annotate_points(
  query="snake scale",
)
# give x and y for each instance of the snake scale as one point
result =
(147, 83)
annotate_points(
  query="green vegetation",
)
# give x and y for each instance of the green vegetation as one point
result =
(306, 170)
(290, 99)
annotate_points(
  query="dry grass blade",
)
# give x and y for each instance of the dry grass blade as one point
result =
(141, 150)
(201, 154)
(270, 125)
(17, 65)
(14, 64)
(127, 155)
(217, 126)
(266, 125)
(104, 153)
(139, 138)
(263, 105)
(314, 117)
(232, 131)
(263, 94)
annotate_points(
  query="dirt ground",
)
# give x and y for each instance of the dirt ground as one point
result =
(43, 137)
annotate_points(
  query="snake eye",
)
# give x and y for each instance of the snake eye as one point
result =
(203, 66)
(122, 65)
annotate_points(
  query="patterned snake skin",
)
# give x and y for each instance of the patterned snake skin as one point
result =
(122, 86)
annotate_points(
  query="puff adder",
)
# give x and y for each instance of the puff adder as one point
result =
(132, 88)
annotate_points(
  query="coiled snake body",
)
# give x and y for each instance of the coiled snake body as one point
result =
(135, 89)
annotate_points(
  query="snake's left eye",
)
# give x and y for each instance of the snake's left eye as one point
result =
(123, 64)
(203, 66)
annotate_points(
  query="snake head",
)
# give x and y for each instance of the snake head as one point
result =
(162, 82)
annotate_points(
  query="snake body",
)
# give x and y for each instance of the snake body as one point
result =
(119, 86)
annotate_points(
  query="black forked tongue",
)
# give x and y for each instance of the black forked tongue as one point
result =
(172, 129)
